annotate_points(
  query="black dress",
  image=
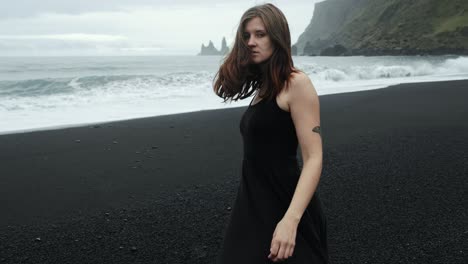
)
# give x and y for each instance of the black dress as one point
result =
(270, 172)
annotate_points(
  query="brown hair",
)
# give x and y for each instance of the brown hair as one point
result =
(237, 78)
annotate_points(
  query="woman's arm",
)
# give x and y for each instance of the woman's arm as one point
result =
(305, 112)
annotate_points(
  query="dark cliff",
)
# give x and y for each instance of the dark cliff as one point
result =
(386, 27)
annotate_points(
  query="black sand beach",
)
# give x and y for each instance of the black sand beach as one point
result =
(159, 190)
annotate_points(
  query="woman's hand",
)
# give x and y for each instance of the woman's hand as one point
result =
(284, 240)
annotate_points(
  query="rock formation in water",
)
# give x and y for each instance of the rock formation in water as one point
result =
(211, 50)
(224, 48)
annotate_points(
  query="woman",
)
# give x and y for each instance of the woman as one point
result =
(277, 214)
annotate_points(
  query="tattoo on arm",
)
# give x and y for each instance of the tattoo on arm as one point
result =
(317, 130)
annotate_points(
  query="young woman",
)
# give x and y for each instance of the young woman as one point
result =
(277, 214)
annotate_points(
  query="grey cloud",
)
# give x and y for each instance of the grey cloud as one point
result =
(28, 8)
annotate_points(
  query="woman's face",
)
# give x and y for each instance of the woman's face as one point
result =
(258, 40)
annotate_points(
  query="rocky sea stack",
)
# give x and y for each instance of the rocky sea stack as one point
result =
(211, 50)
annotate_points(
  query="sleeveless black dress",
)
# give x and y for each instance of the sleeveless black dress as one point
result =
(270, 172)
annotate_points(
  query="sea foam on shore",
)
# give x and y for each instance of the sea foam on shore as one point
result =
(50, 93)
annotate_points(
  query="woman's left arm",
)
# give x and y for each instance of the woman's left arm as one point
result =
(305, 112)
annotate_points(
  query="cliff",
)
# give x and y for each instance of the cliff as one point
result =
(386, 27)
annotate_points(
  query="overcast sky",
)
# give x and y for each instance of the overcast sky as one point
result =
(129, 27)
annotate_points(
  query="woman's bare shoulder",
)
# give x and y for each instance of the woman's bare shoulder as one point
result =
(299, 78)
(300, 84)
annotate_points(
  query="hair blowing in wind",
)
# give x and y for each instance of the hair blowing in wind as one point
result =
(238, 77)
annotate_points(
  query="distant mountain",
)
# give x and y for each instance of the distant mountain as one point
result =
(211, 50)
(386, 27)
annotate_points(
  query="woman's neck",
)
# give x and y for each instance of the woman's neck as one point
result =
(263, 68)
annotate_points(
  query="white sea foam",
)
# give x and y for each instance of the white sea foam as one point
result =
(56, 92)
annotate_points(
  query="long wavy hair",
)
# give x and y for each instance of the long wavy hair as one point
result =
(237, 77)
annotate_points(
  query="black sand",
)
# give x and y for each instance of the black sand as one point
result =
(158, 190)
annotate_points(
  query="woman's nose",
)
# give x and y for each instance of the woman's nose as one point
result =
(251, 42)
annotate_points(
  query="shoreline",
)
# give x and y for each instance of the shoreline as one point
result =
(99, 123)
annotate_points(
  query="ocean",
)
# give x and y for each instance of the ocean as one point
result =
(41, 93)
